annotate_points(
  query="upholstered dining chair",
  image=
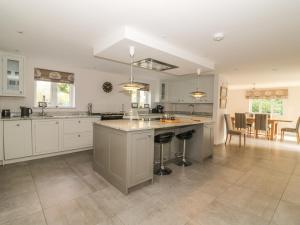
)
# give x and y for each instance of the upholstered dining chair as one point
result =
(240, 121)
(261, 124)
(292, 130)
(231, 131)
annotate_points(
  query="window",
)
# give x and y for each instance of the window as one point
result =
(269, 106)
(59, 95)
(141, 97)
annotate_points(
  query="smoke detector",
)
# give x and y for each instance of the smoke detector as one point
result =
(218, 36)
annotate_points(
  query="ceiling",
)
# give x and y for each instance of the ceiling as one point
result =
(261, 42)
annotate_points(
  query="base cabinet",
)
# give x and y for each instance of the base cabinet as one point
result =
(17, 139)
(78, 133)
(46, 136)
(141, 157)
(1, 141)
(125, 159)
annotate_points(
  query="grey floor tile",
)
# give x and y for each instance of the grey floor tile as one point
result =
(292, 192)
(19, 206)
(287, 213)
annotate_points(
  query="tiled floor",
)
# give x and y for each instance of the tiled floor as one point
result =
(257, 185)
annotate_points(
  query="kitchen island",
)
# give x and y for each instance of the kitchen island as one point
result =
(124, 150)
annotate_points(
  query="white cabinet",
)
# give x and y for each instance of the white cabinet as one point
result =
(12, 76)
(141, 157)
(178, 90)
(78, 133)
(17, 139)
(1, 140)
(46, 136)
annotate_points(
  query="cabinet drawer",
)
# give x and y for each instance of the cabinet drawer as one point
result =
(78, 125)
(78, 140)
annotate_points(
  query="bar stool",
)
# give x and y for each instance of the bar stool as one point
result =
(162, 139)
(181, 157)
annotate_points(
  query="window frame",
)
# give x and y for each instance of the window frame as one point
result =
(54, 97)
(138, 97)
(271, 107)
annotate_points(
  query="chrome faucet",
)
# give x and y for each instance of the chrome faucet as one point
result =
(43, 105)
(193, 108)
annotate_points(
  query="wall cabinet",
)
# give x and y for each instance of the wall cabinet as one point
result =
(12, 75)
(178, 90)
(46, 136)
(17, 139)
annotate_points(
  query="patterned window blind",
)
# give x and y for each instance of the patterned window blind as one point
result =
(267, 93)
(53, 76)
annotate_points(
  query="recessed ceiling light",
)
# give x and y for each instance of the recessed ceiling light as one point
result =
(218, 36)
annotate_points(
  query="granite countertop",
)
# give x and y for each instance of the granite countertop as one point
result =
(135, 125)
(48, 117)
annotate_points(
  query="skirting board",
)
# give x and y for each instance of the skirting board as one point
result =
(42, 156)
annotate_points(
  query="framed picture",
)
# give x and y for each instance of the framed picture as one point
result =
(223, 92)
(134, 105)
(223, 103)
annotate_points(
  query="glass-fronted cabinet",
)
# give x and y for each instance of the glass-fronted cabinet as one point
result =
(12, 76)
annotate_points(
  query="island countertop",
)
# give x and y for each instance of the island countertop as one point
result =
(135, 125)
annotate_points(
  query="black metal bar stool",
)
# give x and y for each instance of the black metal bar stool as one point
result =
(162, 139)
(181, 157)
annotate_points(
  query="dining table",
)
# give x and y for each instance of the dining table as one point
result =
(273, 124)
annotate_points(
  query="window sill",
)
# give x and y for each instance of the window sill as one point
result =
(53, 107)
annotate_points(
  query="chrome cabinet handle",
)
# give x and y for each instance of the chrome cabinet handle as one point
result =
(78, 121)
(17, 125)
(78, 135)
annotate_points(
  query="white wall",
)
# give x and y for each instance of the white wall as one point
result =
(291, 108)
(218, 115)
(88, 87)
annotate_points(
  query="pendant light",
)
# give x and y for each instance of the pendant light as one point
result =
(198, 93)
(131, 85)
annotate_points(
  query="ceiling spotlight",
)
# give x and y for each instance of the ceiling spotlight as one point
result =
(218, 36)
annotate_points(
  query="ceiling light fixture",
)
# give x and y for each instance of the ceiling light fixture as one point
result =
(198, 93)
(218, 36)
(131, 85)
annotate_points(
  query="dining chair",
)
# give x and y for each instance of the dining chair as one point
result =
(261, 124)
(292, 130)
(231, 131)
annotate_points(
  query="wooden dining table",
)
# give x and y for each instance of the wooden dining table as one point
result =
(273, 123)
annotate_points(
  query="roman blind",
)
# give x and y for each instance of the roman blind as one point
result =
(53, 76)
(267, 93)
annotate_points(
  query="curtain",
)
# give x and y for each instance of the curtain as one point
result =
(266, 93)
(53, 76)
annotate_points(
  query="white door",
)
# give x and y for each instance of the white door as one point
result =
(13, 76)
(46, 136)
(17, 139)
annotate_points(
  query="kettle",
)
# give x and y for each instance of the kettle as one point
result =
(25, 112)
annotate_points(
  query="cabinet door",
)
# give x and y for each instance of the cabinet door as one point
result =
(46, 136)
(1, 140)
(208, 140)
(13, 76)
(17, 139)
(141, 157)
